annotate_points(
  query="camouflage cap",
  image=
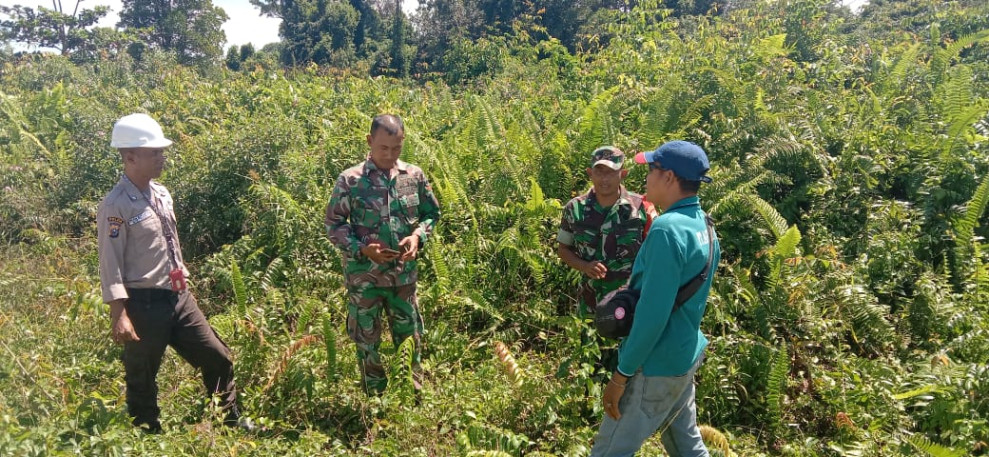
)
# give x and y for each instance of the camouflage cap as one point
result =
(609, 156)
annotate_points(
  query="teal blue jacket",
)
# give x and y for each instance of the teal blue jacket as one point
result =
(674, 251)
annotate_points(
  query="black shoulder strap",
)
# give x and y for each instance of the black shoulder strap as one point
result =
(691, 287)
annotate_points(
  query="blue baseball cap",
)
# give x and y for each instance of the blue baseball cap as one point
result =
(686, 159)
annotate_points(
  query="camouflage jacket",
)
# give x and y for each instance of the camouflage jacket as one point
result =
(369, 206)
(610, 235)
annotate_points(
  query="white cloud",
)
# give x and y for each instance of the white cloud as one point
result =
(246, 25)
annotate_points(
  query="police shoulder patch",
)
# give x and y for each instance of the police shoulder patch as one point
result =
(115, 223)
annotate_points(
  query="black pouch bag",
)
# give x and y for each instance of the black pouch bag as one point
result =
(614, 313)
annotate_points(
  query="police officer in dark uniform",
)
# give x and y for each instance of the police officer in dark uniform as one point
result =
(143, 280)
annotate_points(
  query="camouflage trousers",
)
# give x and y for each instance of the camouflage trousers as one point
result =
(364, 309)
(590, 294)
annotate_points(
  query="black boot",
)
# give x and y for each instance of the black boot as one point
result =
(245, 424)
(151, 427)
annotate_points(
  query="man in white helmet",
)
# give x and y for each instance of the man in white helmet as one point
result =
(143, 280)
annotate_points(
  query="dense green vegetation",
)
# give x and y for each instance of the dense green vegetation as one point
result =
(850, 314)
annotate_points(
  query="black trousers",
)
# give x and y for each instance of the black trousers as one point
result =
(162, 318)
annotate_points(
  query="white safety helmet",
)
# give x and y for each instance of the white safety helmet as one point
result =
(138, 130)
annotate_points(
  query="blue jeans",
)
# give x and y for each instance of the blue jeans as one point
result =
(653, 403)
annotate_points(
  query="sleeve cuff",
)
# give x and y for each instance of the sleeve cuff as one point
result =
(114, 292)
(422, 235)
(565, 237)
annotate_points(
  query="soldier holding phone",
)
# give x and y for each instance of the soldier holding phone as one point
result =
(380, 213)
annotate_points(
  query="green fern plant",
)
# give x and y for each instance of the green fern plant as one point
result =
(665, 115)
(942, 58)
(932, 449)
(440, 266)
(402, 372)
(773, 220)
(866, 319)
(486, 438)
(240, 290)
(776, 386)
(596, 126)
(15, 117)
(966, 244)
(907, 61)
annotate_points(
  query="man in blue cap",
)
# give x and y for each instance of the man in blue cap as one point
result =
(653, 386)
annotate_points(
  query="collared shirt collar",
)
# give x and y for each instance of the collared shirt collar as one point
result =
(685, 202)
(133, 193)
(369, 166)
(623, 198)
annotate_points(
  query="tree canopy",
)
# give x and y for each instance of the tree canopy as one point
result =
(68, 32)
(189, 28)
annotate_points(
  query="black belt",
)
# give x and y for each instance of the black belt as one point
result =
(153, 294)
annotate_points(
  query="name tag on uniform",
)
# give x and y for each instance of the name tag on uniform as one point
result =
(406, 185)
(140, 217)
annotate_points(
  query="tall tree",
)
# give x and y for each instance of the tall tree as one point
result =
(440, 23)
(399, 55)
(917, 16)
(246, 51)
(322, 31)
(501, 13)
(233, 59)
(189, 28)
(368, 25)
(694, 7)
(51, 28)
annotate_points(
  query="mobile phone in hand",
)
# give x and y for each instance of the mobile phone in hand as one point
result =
(389, 251)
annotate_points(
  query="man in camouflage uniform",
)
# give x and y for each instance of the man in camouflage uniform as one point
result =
(380, 214)
(602, 230)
